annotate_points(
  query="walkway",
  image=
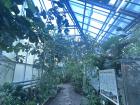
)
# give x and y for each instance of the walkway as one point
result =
(67, 96)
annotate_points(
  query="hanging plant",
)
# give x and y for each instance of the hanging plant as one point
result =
(29, 13)
(65, 23)
(6, 18)
(38, 22)
(37, 10)
(15, 9)
(66, 31)
(51, 17)
(22, 20)
(33, 37)
(59, 20)
(50, 26)
(43, 13)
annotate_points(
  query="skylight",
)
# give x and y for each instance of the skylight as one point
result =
(46, 3)
(97, 24)
(101, 9)
(93, 30)
(98, 16)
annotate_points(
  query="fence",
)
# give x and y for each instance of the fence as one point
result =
(7, 68)
(11, 71)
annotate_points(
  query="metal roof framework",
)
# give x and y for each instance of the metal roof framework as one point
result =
(101, 19)
(98, 18)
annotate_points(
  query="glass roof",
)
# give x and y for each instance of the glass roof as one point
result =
(101, 20)
(73, 30)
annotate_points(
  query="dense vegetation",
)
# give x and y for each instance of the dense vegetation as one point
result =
(52, 48)
(43, 41)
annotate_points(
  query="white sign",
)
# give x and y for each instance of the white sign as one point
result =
(108, 85)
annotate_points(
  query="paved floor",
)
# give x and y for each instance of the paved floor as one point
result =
(67, 96)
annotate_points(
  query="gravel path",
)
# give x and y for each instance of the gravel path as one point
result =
(67, 96)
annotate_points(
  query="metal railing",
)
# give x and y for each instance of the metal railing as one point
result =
(26, 84)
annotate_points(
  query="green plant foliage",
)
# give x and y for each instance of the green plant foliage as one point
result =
(132, 47)
(110, 42)
(75, 70)
(16, 95)
(92, 96)
(76, 75)
(52, 48)
(7, 3)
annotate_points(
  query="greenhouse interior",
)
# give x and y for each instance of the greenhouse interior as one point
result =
(69, 52)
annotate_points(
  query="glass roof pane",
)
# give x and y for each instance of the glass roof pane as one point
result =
(109, 24)
(92, 34)
(86, 20)
(77, 2)
(121, 5)
(114, 32)
(98, 16)
(127, 17)
(135, 1)
(100, 12)
(121, 24)
(88, 11)
(93, 29)
(80, 24)
(124, 20)
(85, 26)
(99, 21)
(133, 8)
(84, 31)
(74, 32)
(89, 17)
(107, 27)
(100, 37)
(96, 24)
(47, 4)
(76, 7)
(69, 19)
(101, 9)
(79, 17)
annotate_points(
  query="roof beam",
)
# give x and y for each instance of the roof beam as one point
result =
(84, 14)
(107, 20)
(109, 7)
(100, 11)
(98, 29)
(74, 18)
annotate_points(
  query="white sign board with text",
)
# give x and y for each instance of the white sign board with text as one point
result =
(108, 85)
